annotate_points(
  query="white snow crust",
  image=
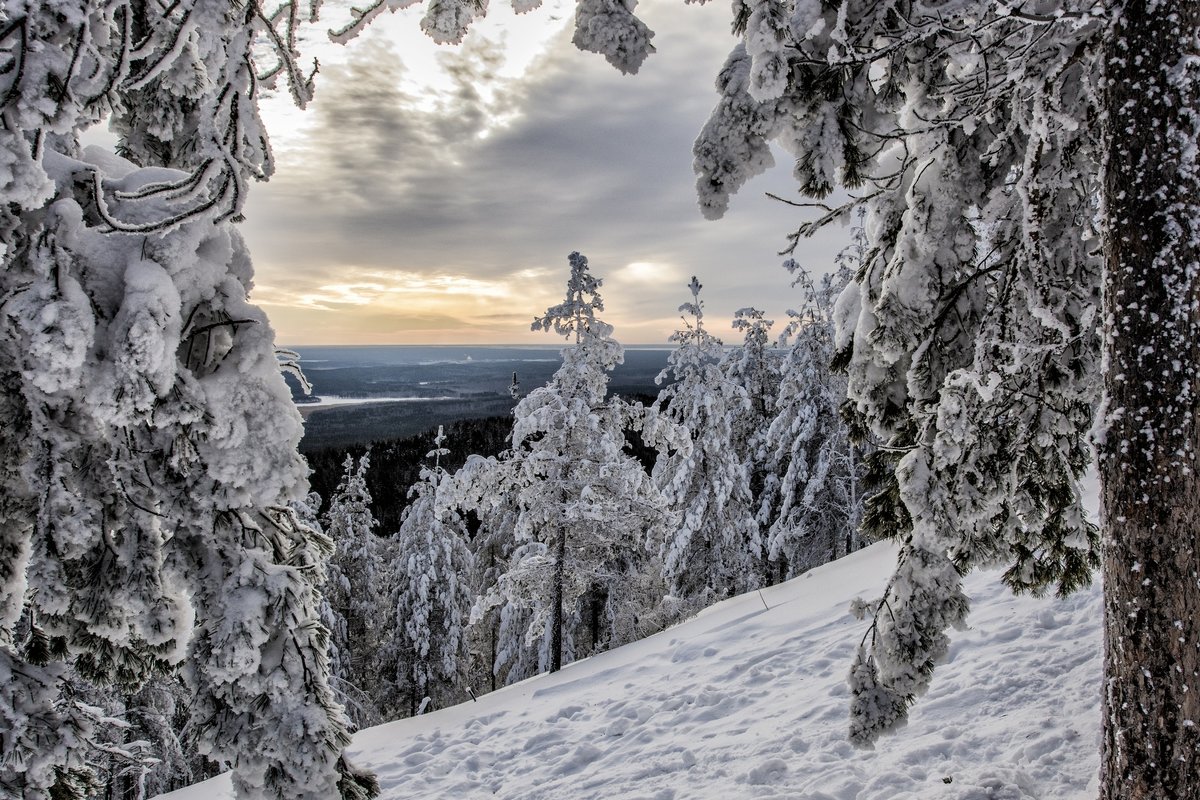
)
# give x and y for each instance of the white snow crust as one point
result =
(745, 702)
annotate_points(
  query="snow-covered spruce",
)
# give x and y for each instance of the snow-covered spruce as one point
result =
(429, 599)
(768, 37)
(589, 521)
(754, 367)
(148, 454)
(112, 552)
(354, 590)
(812, 498)
(144, 746)
(733, 145)
(1003, 154)
(970, 294)
(715, 550)
(496, 632)
(609, 27)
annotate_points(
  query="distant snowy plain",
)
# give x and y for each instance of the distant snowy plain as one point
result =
(749, 699)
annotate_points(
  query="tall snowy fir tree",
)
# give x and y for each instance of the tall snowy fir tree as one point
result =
(755, 368)
(813, 495)
(354, 591)
(308, 514)
(148, 454)
(354, 571)
(1030, 178)
(714, 552)
(589, 519)
(499, 653)
(431, 598)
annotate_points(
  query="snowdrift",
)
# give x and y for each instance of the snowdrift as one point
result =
(749, 699)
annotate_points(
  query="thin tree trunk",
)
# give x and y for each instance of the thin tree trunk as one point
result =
(853, 510)
(1151, 488)
(597, 608)
(556, 631)
(492, 658)
(495, 625)
(412, 689)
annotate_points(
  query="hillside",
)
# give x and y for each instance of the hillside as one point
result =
(749, 702)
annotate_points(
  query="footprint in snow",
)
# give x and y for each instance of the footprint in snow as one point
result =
(798, 745)
(770, 771)
(584, 755)
(618, 726)
(566, 712)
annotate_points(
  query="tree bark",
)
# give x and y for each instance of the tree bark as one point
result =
(556, 631)
(493, 627)
(1151, 489)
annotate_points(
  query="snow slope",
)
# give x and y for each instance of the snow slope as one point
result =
(749, 702)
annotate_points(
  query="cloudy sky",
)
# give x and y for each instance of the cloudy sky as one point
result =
(432, 194)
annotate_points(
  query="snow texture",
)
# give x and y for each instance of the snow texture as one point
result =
(746, 702)
(732, 147)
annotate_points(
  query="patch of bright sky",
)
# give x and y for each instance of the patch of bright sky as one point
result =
(371, 306)
(431, 303)
(373, 287)
(383, 267)
(524, 38)
(649, 273)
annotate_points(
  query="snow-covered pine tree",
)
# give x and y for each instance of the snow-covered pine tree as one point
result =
(814, 497)
(308, 514)
(145, 748)
(353, 584)
(715, 550)
(499, 654)
(1018, 163)
(149, 447)
(755, 367)
(963, 303)
(361, 709)
(158, 715)
(431, 568)
(589, 519)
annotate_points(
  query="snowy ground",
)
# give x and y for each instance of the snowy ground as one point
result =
(745, 702)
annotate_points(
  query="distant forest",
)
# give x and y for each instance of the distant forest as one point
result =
(396, 462)
(397, 454)
(347, 426)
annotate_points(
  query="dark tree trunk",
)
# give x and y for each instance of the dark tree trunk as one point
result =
(556, 630)
(492, 661)
(493, 628)
(1151, 488)
(599, 600)
(412, 687)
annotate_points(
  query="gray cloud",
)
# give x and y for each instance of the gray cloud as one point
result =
(591, 160)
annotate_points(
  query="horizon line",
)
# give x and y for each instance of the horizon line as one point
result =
(520, 345)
